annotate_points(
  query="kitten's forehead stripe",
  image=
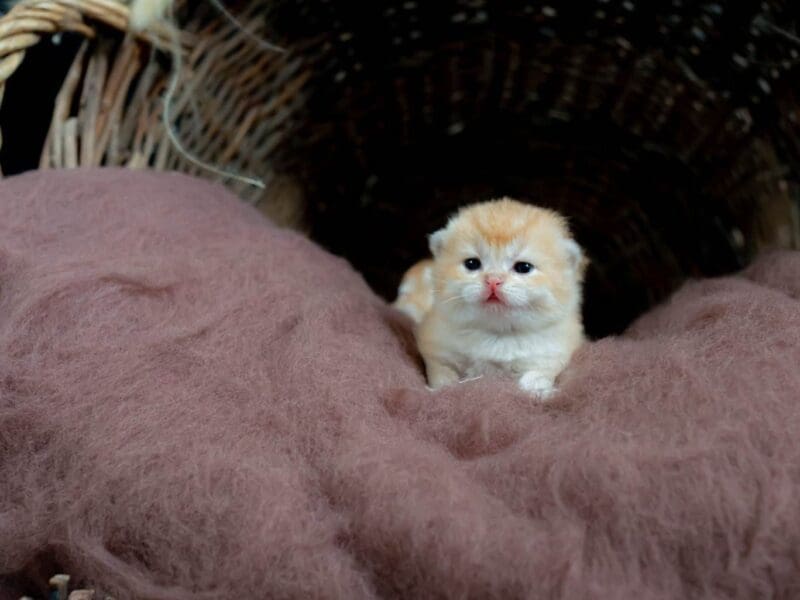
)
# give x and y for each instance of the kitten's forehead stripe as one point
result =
(501, 223)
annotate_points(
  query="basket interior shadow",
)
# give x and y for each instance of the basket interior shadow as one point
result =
(670, 156)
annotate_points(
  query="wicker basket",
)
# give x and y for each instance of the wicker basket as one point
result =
(669, 135)
(231, 108)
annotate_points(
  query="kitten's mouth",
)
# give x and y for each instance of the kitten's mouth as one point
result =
(494, 299)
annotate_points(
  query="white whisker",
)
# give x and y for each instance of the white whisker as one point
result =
(457, 297)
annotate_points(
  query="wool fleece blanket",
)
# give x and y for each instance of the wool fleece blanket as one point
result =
(195, 404)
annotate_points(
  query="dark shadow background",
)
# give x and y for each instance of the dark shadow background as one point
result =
(663, 130)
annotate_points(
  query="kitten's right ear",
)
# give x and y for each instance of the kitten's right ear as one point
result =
(436, 241)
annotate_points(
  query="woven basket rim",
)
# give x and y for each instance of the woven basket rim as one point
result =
(28, 22)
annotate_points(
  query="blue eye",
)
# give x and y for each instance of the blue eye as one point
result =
(523, 267)
(472, 264)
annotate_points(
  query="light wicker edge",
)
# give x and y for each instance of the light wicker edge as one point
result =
(30, 20)
(119, 95)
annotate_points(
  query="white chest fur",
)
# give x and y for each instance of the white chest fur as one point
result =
(473, 352)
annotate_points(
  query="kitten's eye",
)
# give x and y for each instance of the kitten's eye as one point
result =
(523, 267)
(472, 264)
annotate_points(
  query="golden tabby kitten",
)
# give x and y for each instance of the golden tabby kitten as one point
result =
(506, 296)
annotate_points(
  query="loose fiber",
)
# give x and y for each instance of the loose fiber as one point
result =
(143, 14)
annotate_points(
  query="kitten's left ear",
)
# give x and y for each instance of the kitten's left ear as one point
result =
(577, 259)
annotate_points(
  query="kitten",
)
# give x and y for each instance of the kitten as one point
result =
(507, 296)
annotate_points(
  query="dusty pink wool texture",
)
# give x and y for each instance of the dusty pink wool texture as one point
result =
(196, 404)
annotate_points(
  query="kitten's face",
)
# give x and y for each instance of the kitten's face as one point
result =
(507, 264)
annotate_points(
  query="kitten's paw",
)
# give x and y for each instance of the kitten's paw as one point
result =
(435, 386)
(439, 377)
(537, 384)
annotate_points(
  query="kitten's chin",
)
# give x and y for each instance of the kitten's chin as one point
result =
(529, 317)
(495, 304)
(504, 314)
(490, 316)
(503, 321)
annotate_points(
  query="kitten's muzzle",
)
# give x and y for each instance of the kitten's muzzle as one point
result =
(493, 284)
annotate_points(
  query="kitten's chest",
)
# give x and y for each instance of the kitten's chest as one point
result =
(482, 354)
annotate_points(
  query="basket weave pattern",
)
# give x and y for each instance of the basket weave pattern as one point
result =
(667, 132)
(669, 136)
(232, 103)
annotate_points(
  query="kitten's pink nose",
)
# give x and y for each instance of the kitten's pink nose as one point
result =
(494, 282)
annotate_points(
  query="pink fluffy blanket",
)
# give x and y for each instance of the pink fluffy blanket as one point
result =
(196, 404)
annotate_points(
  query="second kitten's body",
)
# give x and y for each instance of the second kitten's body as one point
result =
(506, 296)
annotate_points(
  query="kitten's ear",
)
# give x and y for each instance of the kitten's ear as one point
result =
(577, 259)
(436, 241)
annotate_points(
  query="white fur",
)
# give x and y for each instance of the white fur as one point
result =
(410, 309)
(145, 12)
(535, 354)
(406, 287)
(415, 294)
